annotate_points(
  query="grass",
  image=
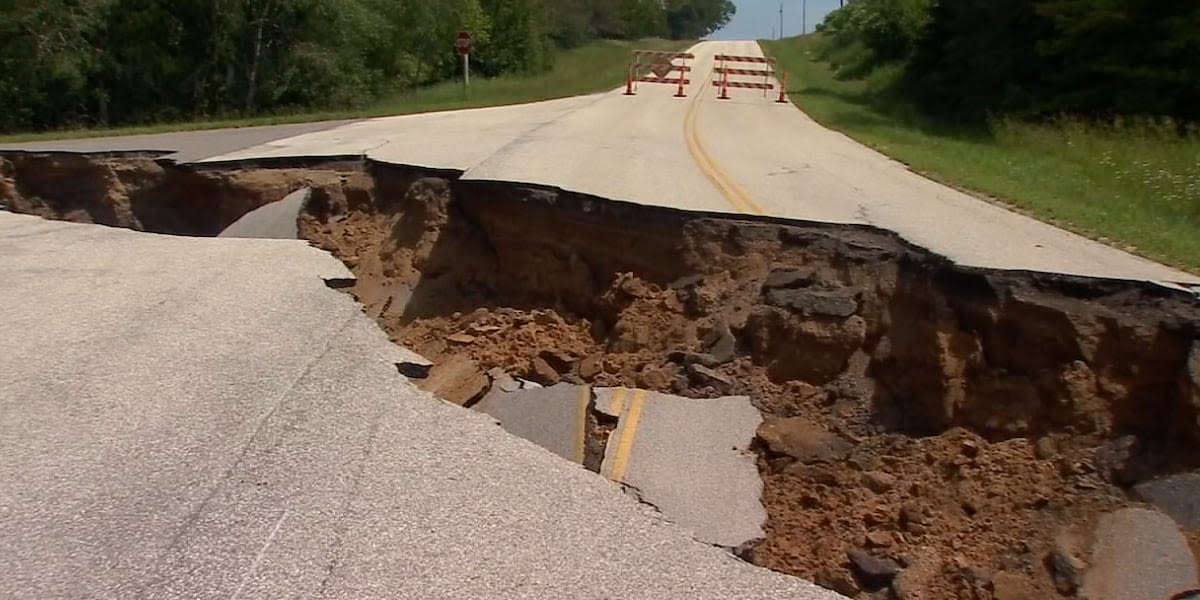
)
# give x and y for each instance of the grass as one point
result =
(594, 67)
(1133, 185)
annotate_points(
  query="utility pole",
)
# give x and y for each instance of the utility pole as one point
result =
(804, 17)
(781, 20)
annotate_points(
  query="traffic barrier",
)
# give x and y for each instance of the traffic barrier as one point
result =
(658, 68)
(723, 71)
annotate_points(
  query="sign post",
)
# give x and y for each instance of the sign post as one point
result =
(463, 44)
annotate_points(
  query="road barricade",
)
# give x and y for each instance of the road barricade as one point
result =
(652, 66)
(728, 66)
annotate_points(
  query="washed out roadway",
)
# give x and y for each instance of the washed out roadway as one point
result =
(205, 418)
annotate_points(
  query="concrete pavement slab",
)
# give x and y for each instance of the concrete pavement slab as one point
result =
(554, 418)
(689, 458)
(205, 418)
(1176, 495)
(1139, 554)
(277, 220)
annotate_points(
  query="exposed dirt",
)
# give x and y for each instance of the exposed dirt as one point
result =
(136, 192)
(967, 425)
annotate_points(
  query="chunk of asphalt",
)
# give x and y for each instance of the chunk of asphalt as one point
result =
(688, 458)
(277, 220)
(553, 418)
(413, 365)
(790, 278)
(830, 303)
(1178, 496)
(1139, 554)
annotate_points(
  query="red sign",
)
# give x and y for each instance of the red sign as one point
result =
(463, 43)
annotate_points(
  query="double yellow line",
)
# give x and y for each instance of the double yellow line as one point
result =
(734, 193)
(628, 431)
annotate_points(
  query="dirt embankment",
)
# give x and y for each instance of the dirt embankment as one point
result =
(960, 426)
(134, 191)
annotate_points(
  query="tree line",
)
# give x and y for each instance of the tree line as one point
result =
(113, 62)
(1101, 58)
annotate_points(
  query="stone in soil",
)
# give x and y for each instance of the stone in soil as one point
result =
(803, 440)
(873, 572)
(458, 380)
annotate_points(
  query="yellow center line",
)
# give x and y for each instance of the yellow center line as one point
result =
(618, 406)
(734, 193)
(585, 398)
(628, 434)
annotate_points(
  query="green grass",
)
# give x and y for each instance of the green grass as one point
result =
(594, 67)
(1135, 186)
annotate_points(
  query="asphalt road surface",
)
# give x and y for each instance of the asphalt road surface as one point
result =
(744, 155)
(205, 418)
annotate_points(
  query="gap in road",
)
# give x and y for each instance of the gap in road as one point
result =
(926, 427)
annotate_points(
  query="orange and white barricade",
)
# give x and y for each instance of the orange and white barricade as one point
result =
(653, 66)
(729, 66)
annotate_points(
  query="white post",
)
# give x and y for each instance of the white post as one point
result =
(466, 71)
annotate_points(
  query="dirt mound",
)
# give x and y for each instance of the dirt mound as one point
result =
(952, 426)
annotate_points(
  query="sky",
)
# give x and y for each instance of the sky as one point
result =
(757, 18)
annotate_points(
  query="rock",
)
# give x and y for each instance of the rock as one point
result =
(591, 366)
(707, 376)
(461, 338)
(1011, 586)
(720, 343)
(872, 572)
(790, 278)
(558, 360)
(503, 381)
(803, 440)
(832, 303)
(458, 380)
(1122, 462)
(546, 318)
(879, 539)
(1045, 448)
(878, 481)
(543, 373)
(686, 282)
(913, 518)
(1178, 496)
(1066, 569)
(655, 379)
(1139, 554)
(838, 580)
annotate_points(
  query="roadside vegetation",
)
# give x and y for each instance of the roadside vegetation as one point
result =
(1085, 120)
(598, 65)
(99, 64)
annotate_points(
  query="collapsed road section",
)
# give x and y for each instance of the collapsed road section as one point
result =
(927, 430)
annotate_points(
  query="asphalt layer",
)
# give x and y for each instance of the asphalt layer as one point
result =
(205, 418)
(180, 146)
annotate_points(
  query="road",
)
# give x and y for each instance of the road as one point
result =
(745, 155)
(181, 421)
(206, 418)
